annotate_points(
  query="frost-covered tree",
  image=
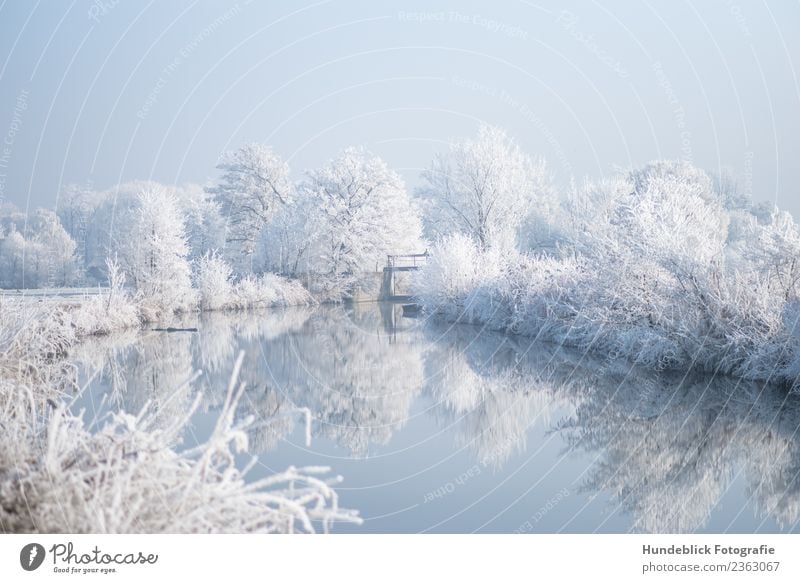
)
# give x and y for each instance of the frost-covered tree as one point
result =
(205, 227)
(154, 253)
(655, 266)
(483, 187)
(55, 248)
(254, 185)
(765, 242)
(41, 256)
(74, 208)
(109, 225)
(113, 212)
(284, 241)
(655, 238)
(12, 259)
(361, 212)
(671, 215)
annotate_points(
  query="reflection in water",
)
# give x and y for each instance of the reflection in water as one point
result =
(669, 455)
(487, 388)
(662, 449)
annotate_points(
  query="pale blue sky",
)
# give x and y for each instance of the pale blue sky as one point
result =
(104, 91)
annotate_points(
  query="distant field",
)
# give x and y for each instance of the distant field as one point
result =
(52, 293)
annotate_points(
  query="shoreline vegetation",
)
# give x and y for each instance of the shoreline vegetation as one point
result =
(564, 301)
(127, 475)
(664, 286)
(661, 266)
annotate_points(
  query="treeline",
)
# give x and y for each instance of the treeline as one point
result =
(338, 221)
(661, 265)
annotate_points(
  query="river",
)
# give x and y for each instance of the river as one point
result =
(451, 428)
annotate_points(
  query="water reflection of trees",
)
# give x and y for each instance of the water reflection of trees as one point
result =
(664, 448)
(487, 388)
(139, 368)
(668, 448)
(356, 379)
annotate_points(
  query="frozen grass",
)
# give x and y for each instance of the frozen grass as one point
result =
(128, 476)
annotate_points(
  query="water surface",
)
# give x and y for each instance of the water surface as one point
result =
(452, 428)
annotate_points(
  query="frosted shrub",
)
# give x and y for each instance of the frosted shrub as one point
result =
(505, 290)
(107, 312)
(286, 292)
(791, 350)
(541, 297)
(31, 333)
(268, 291)
(246, 292)
(456, 267)
(213, 282)
(216, 290)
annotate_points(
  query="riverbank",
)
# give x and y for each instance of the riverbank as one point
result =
(643, 314)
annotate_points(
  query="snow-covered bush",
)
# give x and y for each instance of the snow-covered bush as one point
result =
(217, 291)
(456, 268)
(534, 295)
(112, 310)
(212, 279)
(268, 291)
(31, 333)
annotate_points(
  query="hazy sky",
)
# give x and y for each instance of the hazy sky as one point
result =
(103, 91)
